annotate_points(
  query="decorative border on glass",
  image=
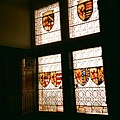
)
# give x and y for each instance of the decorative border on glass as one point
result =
(89, 81)
(83, 17)
(50, 83)
(47, 24)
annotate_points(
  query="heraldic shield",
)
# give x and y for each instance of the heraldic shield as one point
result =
(82, 75)
(85, 9)
(56, 78)
(97, 75)
(48, 20)
(44, 78)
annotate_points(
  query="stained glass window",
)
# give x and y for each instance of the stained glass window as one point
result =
(89, 81)
(47, 24)
(83, 17)
(50, 83)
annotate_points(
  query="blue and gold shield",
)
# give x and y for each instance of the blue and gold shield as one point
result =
(82, 75)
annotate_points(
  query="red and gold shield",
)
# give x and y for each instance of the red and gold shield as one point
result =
(45, 79)
(82, 75)
(56, 78)
(48, 20)
(97, 75)
(85, 9)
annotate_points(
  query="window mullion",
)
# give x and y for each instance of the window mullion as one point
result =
(64, 20)
(68, 87)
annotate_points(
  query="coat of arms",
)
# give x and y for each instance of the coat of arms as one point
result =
(85, 9)
(48, 20)
(45, 79)
(97, 75)
(82, 75)
(56, 78)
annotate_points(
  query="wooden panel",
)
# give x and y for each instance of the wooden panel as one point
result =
(28, 80)
(28, 85)
(23, 103)
(29, 101)
(11, 82)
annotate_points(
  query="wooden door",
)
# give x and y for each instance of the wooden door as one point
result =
(28, 85)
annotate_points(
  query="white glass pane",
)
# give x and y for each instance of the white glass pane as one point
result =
(89, 24)
(50, 83)
(47, 24)
(89, 81)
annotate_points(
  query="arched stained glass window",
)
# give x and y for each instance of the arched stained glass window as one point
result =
(83, 17)
(50, 83)
(89, 81)
(47, 24)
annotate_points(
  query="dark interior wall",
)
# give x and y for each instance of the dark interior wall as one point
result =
(11, 82)
(15, 23)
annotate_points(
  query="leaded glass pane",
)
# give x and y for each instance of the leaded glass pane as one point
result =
(89, 81)
(50, 83)
(83, 17)
(47, 24)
